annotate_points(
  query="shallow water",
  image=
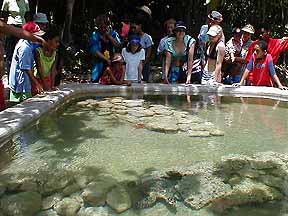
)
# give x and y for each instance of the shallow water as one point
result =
(80, 139)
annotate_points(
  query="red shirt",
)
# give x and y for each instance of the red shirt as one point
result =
(261, 71)
(275, 48)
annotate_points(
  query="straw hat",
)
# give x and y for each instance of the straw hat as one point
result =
(146, 10)
(248, 28)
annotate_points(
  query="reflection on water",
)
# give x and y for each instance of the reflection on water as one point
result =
(81, 139)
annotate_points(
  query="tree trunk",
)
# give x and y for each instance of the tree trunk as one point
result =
(66, 36)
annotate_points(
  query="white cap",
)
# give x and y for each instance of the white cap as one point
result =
(214, 30)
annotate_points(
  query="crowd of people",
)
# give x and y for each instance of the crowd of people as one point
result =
(123, 57)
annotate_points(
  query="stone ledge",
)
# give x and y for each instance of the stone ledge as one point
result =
(14, 119)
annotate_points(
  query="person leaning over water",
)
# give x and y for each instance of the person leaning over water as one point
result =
(45, 58)
(114, 74)
(103, 44)
(214, 55)
(169, 26)
(262, 68)
(176, 55)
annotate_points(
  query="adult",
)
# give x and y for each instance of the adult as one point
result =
(276, 46)
(215, 55)
(17, 10)
(41, 20)
(21, 71)
(214, 18)
(169, 27)
(146, 43)
(262, 67)
(231, 67)
(104, 42)
(180, 49)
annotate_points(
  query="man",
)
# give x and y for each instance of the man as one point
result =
(41, 20)
(21, 71)
(276, 46)
(18, 10)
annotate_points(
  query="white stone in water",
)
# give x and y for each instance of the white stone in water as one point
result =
(104, 104)
(67, 207)
(50, 201)
(133, 103)
(184, 127)
(117, 100)
(199, 134)
(93, 211)
(217, 132)
(164, 124)
(82, 103)
(119, 199)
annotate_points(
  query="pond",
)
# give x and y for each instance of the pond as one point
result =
(86, 139)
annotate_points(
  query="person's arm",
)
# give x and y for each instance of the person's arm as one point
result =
(40, 69)
(100, 55)
(148, 55)
(38, 86)
(114, 80)
(167, 66)
(273, 74)
(116, 43)
(190, 63)
(248, 69)
(140, 70)
(219, 61)
(20, 33)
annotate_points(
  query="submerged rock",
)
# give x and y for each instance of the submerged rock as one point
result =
(21, 204)
(67, 207)
(93, 211)
(119, 199)
(50, 201)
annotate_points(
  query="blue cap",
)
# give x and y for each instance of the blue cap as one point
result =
(180, 25)
(135, 40)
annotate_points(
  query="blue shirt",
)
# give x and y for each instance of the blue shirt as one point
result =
(22, 62)
(146, 41)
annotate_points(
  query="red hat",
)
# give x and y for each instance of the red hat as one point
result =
(33, 28)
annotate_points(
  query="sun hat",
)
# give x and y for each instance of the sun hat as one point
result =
(135, 40)
(146, 10)
(40, 18)
(216, 16)
(248, 28)
(214, 30)
(33, 28)
(180, 25)
(117, 58)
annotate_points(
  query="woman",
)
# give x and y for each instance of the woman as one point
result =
(45, 58)
(103, 44)
(134, 57)
(261, 68)
(215, 55)
(180, 49)
(114, 74)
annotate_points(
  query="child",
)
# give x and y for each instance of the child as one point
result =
(134, 56)
(114, 74)
(45, 58)
(146, 42)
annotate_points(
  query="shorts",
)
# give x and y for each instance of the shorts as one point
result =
(208, 78)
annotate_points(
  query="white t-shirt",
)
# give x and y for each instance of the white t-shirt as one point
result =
(132, 63)
(17, 10)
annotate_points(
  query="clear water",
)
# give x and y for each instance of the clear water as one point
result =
(78, 139)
